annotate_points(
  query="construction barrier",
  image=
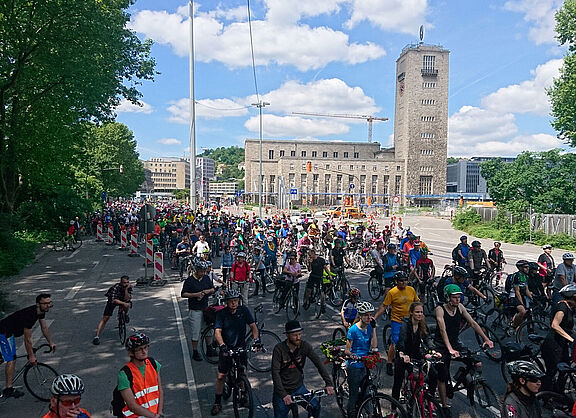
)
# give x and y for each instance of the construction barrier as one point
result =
(99, 232)
(158, 266)
(149, 251)
(110, 235)
(123, 240)
(133, 245)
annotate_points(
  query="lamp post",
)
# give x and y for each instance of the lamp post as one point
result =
(192, 112)
(260, 105)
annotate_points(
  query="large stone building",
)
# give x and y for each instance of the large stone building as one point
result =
(414, 170)
(167, 174)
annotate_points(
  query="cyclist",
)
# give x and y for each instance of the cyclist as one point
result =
(519, 295)
(460, 253)
(119, 295)
(360, 341)
(230, 333)
(496, 257)
(476, 259)
(349, 310)
(338, 255)
(21, 323)
(460, 277)
(71, 235)
(379, 268)
(183, 249)
(145, 396)
(240, 275)
(226, 261)
(66, 390)
(520, 398)
(399, 299)
(260, 269)
(271, 252)
(317, 267)
(547, 267)
(288, 361)
(197, 289)
(563, 275)
(449, 318)
(391, 264)
(424, 271)
(556, 346)
(292, 272)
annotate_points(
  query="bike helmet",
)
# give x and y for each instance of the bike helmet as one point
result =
(71, 222)
(206, 250)
(547, 247)
(463, 237)
(354, 293)
(208, 264)
(567, 256)
(270, 239)
(524, 369)
(476, 244)
(452, 289)
(391, 246)
(67, 384)
(522, 263)
(137, 340)
(568, 291)
(424, 250)
(200, 265)
(401, 276)
(365, 307)
(241, 254)
(533, 265)
(460, 271)
(231, 294)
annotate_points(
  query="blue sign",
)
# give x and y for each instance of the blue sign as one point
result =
(352, 185)
(241, 191)
(293, 191)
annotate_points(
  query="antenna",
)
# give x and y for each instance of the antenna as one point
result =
(421, 33)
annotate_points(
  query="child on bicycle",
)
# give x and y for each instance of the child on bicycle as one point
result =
(349, 311)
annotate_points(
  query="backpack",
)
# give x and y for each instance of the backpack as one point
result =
(117, 402)
(440, 288)
(455, 255)
(508, 282)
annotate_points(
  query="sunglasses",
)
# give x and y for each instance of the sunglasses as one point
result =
(70, 402)
(533, 379)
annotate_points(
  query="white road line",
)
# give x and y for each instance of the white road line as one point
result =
(192, 392)
(74, 253)
(36, 334)
(74, 290)
(95, 264)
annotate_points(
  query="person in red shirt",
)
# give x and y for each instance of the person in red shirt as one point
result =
(424, 271)
(67, 390)
(240, 275)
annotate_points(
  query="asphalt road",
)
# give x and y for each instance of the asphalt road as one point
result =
(78, 281)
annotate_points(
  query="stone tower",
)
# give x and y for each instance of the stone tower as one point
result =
(421, 121)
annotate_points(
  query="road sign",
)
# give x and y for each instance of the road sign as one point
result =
(352, 185)
(396, 199)
(293, 191)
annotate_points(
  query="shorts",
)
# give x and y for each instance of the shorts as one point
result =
(514, 302)
(313, 281)
(8, 347)
(196, 319)
(395, 331)
(225, 362)
(109, 309)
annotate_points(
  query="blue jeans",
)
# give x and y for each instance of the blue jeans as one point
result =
(281, 410)
(355, 376)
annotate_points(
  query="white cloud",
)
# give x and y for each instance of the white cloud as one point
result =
(169, 141)
(206, 108)
(540, 15)
(403, 16)
(291, 126)
(295, 44)
(126, 106)
(529, 96)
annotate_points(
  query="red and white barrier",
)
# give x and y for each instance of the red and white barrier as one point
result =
(123, 239)
(149, 251)
(99, 232)
(158, 266)
(110, 235)
(133, 245)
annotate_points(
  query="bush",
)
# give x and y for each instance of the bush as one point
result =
(466, 219)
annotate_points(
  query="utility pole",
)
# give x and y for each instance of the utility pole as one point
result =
(260, 105)
(192, 112)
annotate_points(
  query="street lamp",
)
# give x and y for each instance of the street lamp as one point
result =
(260, 105)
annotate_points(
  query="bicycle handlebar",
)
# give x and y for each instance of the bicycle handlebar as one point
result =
(43, 345)
(309, 396)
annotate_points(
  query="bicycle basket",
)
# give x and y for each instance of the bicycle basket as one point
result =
(333, 349)
(210, 312)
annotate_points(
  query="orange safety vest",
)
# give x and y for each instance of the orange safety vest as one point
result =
(146, 390)
(55, 415)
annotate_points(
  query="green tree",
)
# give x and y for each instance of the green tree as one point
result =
(181, 194)
(563, 93)
(62, 63)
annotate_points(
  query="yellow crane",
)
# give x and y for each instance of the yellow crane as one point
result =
(368, 118)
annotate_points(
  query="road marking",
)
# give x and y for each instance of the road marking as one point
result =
(95, 264)
(74, 253)
(192, 391)
(74, 290)
(36, 334)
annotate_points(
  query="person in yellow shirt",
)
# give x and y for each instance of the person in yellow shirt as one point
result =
(398, 299)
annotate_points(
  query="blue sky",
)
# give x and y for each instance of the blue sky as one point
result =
(339, 56)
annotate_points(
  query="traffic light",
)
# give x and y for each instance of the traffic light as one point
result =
(309, 166)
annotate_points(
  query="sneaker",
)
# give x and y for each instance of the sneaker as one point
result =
(126, 319)
(12, 393)
(196, 356)
(389, 369)
(96, 341)
(216, 409)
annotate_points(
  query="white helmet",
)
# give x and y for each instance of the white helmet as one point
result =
(365, 307)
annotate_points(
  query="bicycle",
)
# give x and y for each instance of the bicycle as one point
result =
(259, 361)
(69, 242)
(238, 385)
(316, 299)
(419, 402)
(340, 287)
(375, 286)
(512, 351)
(555, 405)
(37, 378)
(122, 323)
(305, 401)
(286, 296)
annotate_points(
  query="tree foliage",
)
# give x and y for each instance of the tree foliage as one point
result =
(231, 157)
(563, 92)
(63, 63)
(544, 180)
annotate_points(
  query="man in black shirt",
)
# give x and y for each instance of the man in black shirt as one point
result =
(338, 254)
(118, 295)
(21, 323)
(317, 266)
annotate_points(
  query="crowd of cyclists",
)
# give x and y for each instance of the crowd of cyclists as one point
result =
(425, 308)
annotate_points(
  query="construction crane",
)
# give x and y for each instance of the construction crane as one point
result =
(368, 118)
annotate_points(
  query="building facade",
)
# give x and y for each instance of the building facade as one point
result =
(225, 189)
(465, 178)
(324, 172)
(167, 175)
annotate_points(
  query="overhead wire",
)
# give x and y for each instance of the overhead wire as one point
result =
(252, 50)
(221, 108)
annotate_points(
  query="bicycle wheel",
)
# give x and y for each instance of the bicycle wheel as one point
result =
(38, 380)
(276, 300)
(386, 337)
(243, 399)
(208, 345)
(494, 354)
(374, 289)
(341, 386)
(59, 245)
(292, 305)
(122, 327)
(344, 289)
(361, 263)
(338, 333)
(429, 408)
(486, 403)
(332, 296)
(532, 333)
(553, 402)
(380, 405)
(261, 361)
(270, 283)
(431, 300)
(76, 243)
